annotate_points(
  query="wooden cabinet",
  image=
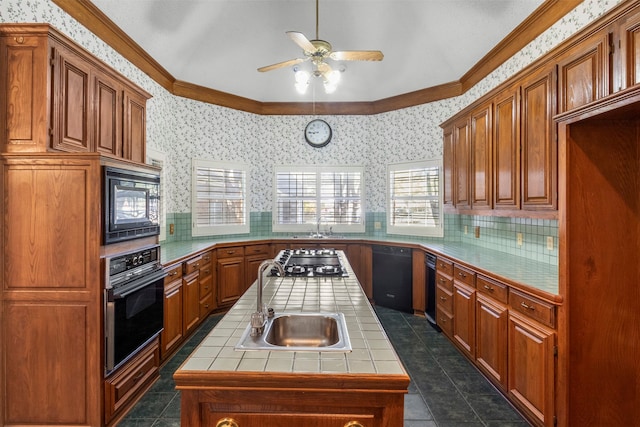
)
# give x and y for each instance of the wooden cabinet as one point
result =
(583, 72)
(531, 364)
(481, 164)
(419, 289)
(506, 149)
(444, 296)
(491, 330)
(254, 255)
(206, 281)
(172, 334)
(131, 380)
(448, 173)
(626, 38)
(50, 288)
(461, 159)
(537, 140)
(60, 97)
(230, 270)
(464, 309)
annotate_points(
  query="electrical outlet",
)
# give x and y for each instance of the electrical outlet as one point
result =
(519, 239)
(550, 243)
(377, 225)
(477, 231)
(466, 230)
(172, 228)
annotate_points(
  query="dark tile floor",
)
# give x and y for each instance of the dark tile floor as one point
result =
(445, 390)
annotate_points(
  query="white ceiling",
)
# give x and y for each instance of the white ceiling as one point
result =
(219, 44)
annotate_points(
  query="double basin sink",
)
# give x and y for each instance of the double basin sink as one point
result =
(299, 332)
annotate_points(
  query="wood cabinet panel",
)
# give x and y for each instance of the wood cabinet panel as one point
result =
(490, 287)
(532, 307)
(172, 334)
(251, 265)
(481, 175)
(191, 301)
(627, 38)
(583, 72)
(506, 149)
(316, 419)
(464, 318)
(231, 282)
(134, 126)
(461, 163)
(108, 114)
(26, 75)
(491, 339)
(531, 367)
(44, 376)
(448, 172)
(538, 144)
(232, 252)
(419, 289)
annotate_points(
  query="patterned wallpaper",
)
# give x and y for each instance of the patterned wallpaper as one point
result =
(186, 129)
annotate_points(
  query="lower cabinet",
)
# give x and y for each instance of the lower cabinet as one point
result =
(464, 310)
(491, 339)
(223, 419)
(191, 301)
(230, 271)
(128, 382)
(172, 334)
(254, 255)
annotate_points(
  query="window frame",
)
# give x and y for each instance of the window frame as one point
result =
(416, 230)
(307, 227)
(219, 229)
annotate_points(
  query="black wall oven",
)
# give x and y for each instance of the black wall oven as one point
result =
(131, 202)
(134, 300)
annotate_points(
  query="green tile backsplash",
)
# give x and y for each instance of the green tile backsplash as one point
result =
(496, 233)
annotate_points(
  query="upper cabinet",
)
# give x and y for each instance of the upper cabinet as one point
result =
(506, 149)
(61, 98)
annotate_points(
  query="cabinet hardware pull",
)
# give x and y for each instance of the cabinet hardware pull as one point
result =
(226, 422)
(138, 376)
(461, 274)
(523, 304)
(230, 252)
(353, 424)
(489, 288)
(443, 298)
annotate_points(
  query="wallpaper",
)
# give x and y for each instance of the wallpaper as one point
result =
(185, 129)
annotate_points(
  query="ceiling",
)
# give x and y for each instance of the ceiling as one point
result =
(219, 44)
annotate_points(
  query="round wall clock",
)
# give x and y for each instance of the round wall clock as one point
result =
(317, 133)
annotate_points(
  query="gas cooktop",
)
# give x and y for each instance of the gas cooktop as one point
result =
(310, 263)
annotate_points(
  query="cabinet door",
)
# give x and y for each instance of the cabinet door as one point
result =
(135, 134)
(539, 161)
(491, 339)
(481, 157)
(172, 334)
(464, 318)
(72, 102)
(506, 150)
(583, 72)
(531, 367)
(107, 126)
(230, 280)
(628, 56)
(461, 151)
(251, 269)
(191, 301)
(447, 166)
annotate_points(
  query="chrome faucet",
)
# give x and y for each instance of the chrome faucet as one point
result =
(259, 318)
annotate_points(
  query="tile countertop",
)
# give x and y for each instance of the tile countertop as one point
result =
(539, 277)
(372, 352)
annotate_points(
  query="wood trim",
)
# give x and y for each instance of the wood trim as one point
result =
(97, 22)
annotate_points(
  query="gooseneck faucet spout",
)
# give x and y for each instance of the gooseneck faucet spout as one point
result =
(259, 318)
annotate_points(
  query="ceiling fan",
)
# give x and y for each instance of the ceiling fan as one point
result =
(318, 51)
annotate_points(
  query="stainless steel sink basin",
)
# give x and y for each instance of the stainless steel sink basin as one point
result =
(300, 332)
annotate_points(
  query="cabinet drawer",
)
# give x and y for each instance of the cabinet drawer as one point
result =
(206, 283)
(444, 299)
(444, 281)
(463, 275)
(122, 388)
(174, 272)
(206, 270)
(256, 249)
(206, 305)
(532, 307)
(445, 266)
(445, 321)
(206, 258)
(230, 252)
(490, 287)
(192, 265)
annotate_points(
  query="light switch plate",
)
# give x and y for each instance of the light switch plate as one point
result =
(519, 239)
(550, 243)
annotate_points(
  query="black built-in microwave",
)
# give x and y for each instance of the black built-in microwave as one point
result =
(131, 201)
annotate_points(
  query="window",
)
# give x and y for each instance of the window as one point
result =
(219, 199)
(415, 199)
(328, 197)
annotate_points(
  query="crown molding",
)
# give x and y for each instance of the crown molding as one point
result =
(98, 23)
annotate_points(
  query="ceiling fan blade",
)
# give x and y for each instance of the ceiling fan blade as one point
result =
(357, 55)
(302, 41)
(281, 65)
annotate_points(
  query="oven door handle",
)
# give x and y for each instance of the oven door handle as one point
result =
(141, 283)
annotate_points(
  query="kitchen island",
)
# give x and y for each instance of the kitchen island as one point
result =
(221, 386)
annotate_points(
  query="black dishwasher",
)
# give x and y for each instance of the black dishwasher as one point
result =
(430, 290)
(393, 277)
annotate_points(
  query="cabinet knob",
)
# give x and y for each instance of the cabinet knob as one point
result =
(353, 424)
(527, 306)
(227, 422)
(461, 274)
(443, 299)
(489, 288)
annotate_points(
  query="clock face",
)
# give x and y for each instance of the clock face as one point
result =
(318, 133)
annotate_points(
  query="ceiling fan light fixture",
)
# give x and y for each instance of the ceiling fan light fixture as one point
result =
(302, 81)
